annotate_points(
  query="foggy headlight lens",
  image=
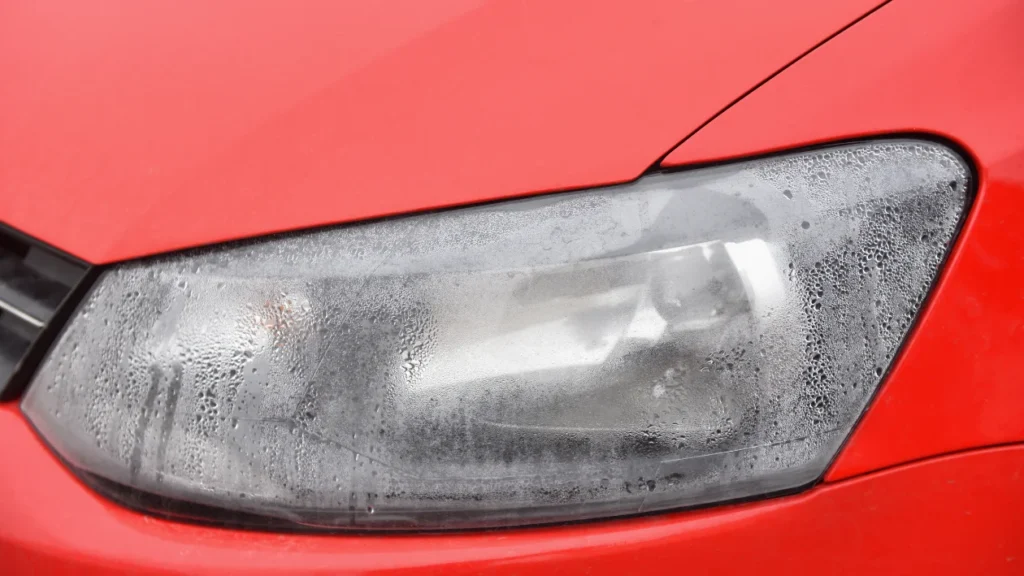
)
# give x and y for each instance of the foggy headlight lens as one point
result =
(687, 338)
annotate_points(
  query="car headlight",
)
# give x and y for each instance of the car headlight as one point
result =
(687, 338)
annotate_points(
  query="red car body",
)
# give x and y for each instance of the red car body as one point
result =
(130, 129)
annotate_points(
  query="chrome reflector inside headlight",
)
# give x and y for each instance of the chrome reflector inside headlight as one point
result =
(687, 338)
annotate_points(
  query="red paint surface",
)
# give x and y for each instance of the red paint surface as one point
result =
(130, 128)
(945, 516)
(957, 70)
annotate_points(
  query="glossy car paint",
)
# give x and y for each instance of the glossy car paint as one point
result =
(131, 128)
(913, 65)
(955, 70)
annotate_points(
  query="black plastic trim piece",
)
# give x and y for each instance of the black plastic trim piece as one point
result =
(20, 378)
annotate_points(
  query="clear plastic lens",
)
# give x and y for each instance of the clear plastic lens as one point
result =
(687, 338)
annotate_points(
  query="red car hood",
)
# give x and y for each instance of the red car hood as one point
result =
(130, 128)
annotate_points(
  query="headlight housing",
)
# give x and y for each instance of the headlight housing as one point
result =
(687, 338)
